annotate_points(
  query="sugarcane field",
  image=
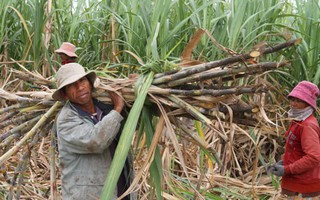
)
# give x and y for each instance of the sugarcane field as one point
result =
(204, 83)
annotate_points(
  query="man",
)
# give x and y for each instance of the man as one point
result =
(67, 53)
(87, 135)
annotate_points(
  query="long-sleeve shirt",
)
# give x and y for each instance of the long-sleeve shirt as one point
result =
(302, 157)
(84, 151)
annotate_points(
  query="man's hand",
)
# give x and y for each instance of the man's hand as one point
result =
(117, 101)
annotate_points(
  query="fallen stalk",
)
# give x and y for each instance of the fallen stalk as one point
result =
(19, 128)
(196, 114)
(18, 120)
(211, 92)
(204, 67)
(252, 69)
(30, 134)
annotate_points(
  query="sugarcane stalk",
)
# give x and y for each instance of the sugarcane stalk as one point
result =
(52, 153)
(24, 160)
(199, 141)
(252, 69)
(125, 139)
(20, 127)
(33, 80)
(158, 75)
(283, 45)
(44, 132)
(35, 107)
(211, 92)
(8, 116)
(211, 112)
(196, 114)
(32, 77)
(23, 163)
(29, 150)
(4, 173)
(230, 78)
(21, 174)
(19, 119)
(15, 135)
(18, 169)
(200, 92)
(42, 120)
(223, 62)
(9, 139)
(13, 108)
(12, 97)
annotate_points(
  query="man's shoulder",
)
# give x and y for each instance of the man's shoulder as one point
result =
(65, 111)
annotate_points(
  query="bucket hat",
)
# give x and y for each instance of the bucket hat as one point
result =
(307, 92)
(70, 73)
(68, 49)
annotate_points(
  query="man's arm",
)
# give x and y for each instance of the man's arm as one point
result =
(79, 135)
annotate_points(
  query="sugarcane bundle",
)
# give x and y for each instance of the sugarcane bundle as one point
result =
(208, 93)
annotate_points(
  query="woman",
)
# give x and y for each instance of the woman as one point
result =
(300, 167)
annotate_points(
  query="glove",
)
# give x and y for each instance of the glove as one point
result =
(278, 170)
(270, 169)
(280, 162)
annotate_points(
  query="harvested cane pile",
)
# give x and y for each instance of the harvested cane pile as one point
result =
(221, 95)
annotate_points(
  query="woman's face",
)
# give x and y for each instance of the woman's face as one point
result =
(296, 103)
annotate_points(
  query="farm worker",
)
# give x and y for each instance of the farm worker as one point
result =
(300, 167)
(87, 132)
(67, 53)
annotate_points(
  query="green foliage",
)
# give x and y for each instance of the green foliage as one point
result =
(158, 66)
(121, 35)
(156, 166)
(114, 32)
(126, 137)
(39, 26)
(307, 26)
(275, 181)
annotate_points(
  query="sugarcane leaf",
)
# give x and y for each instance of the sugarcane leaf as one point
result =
(125, 140)
(156, 166)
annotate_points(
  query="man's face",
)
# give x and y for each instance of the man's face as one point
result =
(64, 56)
(79, 92)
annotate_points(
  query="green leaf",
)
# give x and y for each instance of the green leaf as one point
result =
(126, 137)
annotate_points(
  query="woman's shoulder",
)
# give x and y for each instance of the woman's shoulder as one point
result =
(311, 119)
(312, 122)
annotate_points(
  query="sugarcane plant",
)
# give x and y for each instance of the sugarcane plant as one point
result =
(206, 93)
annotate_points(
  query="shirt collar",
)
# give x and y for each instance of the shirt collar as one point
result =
(96, 117)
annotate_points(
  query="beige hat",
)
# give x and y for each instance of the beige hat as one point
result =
(70, 73)
(68, 49)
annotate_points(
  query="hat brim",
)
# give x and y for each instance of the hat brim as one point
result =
(302, 98)
(57, 94)
(68, 53)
